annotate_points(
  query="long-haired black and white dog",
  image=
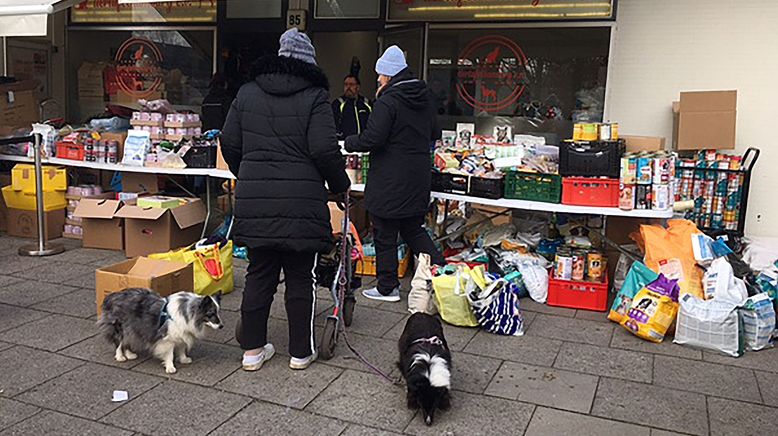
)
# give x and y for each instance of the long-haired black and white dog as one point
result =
(138, 320)
(425, 363)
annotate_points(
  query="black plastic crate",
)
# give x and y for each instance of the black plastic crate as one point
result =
(450, 183)
(591, 159)
(486, 188)
(201, 157)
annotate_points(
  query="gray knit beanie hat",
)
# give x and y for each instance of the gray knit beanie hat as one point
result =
(297, 45)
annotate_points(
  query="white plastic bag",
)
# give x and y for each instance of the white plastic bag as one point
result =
(136, 146)
(719, 282)
(420, 297)
(536, 280)
(758, 317)
(710, 324)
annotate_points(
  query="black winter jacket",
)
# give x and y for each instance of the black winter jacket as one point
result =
(399, 135)
(351, 115)
(279, 139)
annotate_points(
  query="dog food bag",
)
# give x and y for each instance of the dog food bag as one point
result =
(669, 252)
(420, 297)
(653, 310)
(758, 317)
(719, 282)
(709, 324)
(637, 278)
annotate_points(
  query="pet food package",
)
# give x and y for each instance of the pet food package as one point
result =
(758, 315)
(637, 278)
(653, 310)
(497, 308)
(706, 249)
(709, 324)
(48, 134)
(450, 291)
(420, 297)
(136, 147)
(669, 252)
(719, 282)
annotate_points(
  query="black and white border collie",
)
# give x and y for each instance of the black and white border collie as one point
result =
(138, 320)
(425, 363)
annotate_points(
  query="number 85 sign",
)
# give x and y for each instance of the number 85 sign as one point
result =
(295, 18)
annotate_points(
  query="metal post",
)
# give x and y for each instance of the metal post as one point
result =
(41, 249)
(207, 205)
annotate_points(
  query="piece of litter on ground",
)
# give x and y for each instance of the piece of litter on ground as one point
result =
(119, 396)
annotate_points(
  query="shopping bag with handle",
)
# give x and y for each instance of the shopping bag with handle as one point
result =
(212, 266)
(450, 293)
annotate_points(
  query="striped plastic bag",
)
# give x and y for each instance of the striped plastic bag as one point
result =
(496, 308)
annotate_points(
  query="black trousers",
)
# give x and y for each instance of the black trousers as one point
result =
(262, 280)
(385, 233)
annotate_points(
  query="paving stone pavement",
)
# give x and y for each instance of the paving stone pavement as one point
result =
(573, 372)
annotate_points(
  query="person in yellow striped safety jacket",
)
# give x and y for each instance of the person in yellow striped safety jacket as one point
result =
(351, 110)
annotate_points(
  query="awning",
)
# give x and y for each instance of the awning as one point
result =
(29, 17)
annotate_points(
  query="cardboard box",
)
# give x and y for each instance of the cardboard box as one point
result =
(494, 210)
(101, 228)
(643, 143)
(140, 182)
(706, 120)
(18, 104)
(148, 231)
(161, 276)
(24, 223)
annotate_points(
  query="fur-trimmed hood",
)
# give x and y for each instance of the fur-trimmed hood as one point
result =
(280, 75)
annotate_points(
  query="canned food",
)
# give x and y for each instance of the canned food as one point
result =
(662, 169)
(563, 265)
(628, 174)
(643, 197)
(643, 169)
(626, 196)
(660, 197)
(595, 266)
(605, 132)
(579, 265)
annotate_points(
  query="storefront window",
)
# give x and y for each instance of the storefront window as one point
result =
(536, 80)
(123, 66)
(253, 9)
(111, 11)
(348, 8)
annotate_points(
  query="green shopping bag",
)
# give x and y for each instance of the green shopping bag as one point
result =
(450, 293)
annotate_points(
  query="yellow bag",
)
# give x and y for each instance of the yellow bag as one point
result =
(653, 310)
(669, 252)
(212, 266)
(451, 296)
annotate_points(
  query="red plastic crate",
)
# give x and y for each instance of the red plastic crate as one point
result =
(578, 295)
(69, 150)
(585, 191)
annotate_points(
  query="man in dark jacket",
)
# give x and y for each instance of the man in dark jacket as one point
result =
(351, 110)
(398, 136)
(279, 139)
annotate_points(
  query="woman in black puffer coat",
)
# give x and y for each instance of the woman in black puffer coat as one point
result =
(279, 139)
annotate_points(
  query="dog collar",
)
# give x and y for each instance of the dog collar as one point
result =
(164, 316)
(432, 341)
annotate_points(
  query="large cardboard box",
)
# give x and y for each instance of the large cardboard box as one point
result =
(152, 230)
(706, 120)
(643, 143)
(140, 182)
(101, 227)
(161, 276)
(18, 104)
(24, 223)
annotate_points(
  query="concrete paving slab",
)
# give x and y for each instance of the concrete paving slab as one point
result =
(8, 280)
(472, 373)
(13, 316)
(627, 341)
(89, 256)
(55, 272)
(15, 263)
(530, 305)
(591, 315)
(53, 423)
(211, 363)
(369, 321)
(643, 404)
(608, 362)
(83, 280)
(278, 384)
(97, 349)
(265, 418)
(547, 421)
(729, 417)
(473, 414)
(79, 303)
(768, 386)
(571, 330)
(379, 352)
(52, 333)
(232, 300)
(174, 407)
(86, 391)
(28, 292)
(706, 378)
(544, 386)
(528, 349)
(230, 320)
(360, 430)
(12, 412)
(764, 360)
(22, 368)
(364, 399)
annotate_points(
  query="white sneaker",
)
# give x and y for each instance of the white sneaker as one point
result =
(254, 363)
(373, 294)
(297, 363)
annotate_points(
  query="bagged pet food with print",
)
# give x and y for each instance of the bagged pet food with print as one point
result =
(669, 252)
(758, 315)
(637, 278)
(709, 324)
(420, 297)
(653, 310)
(719, 282)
